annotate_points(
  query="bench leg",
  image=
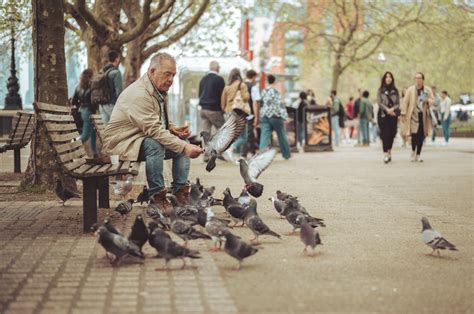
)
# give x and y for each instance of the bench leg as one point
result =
(104, 192)
(17, 160)
(89, 203)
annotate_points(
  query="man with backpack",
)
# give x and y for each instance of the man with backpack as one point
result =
(335, 104)
(106, 88)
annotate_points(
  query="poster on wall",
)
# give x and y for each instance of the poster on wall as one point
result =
(318, 129)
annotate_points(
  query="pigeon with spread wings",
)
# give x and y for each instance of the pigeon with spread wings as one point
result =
(251, 171)
(224, 137)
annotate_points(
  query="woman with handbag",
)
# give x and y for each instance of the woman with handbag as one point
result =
(235, 95)
(388, 100)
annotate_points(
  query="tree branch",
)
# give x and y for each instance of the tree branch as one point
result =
(139, 28)
(70, 9)
(162, 9)
(97, 25)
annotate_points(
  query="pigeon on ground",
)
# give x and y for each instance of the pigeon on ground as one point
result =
(139, 233)
(118, 245)
(244, 197)
(279, 206)
(184, 229)
(237, 248)
(309, 237)
(122, 188)
(157, 213)
(224, 137)
(282, 196)
(215, 228)
(108, 224)
(169, 249)
(434, 239)
(236, 210)
(251, 171)
(186, 212)
(63, 193)
(293, 204)
(143, 197)
(124, 208)
(256, 224)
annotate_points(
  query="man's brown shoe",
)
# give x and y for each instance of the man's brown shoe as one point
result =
(182, 194)
(160, 199)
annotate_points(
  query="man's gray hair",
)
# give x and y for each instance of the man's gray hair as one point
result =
(157, 60)
(214, 66)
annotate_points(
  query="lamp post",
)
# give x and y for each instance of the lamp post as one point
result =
(13, 99)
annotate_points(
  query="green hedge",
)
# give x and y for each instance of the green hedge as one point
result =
(463, 126)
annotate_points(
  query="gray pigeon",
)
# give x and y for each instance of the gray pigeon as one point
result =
(184, 229)
(215, 228)
(244, 197)
(224, 137)
(237, 248)
(232, 206)
(108, 224)
(434, 239)
(144, 196)
(256, 224)
(122, 188)
(169, 249)
(309, 237)
(251, 171)
(118, 245)
(63, 193)
(282, 196)
(278, 205)
(139, 233)
(157, 213)
(124, 208)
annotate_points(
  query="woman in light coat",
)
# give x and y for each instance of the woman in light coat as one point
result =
(230, 91)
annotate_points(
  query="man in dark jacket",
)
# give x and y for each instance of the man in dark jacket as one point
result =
(114, 77)
(210, 91)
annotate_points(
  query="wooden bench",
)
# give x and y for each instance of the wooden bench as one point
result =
(66, 143)
(98, 125)
(23, 127)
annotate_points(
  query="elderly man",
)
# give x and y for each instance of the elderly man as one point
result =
(415, 114)
(139, 129)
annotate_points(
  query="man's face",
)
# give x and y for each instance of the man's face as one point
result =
(163, 76)
(418, 80)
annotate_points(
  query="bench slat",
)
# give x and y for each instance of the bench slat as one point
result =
(135, 167)
(78, 153)
(41, 106)
(125, 166)
(64, 137)
(61, 148)
(60, 127)
(70, 167)
(116, 167)
(56, 117)
(80, 171)
(92, 170)
(104, 169)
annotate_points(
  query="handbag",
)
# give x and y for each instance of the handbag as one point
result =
(238, 103)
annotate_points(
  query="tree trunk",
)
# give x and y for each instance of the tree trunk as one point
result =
(336, 73)
(50, 87)
(133, 61)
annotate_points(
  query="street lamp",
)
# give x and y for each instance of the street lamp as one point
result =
(13, 99)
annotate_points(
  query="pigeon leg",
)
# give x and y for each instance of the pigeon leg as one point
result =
(439, 254)
(305, 251)
(243, 223)
(184, 263)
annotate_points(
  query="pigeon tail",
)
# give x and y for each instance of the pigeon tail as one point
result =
(211, 164)
(273, 233)
(255, 189)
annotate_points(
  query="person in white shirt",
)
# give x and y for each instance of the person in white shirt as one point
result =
(445, 109)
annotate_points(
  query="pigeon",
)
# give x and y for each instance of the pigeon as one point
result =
(156, 213)
(108, 224)
(63, 193)
(251, 171)
(215, 228)
(256, 224)
(208, 192)
(184, 229)
(236, 210)
(237, 248)
(124, 208)
(139, 233)
(118, 245)
(122, 188)
(169, 249)
(309, 237)
(143, 197)
(278, 205)
(293, 204)
(183, 211)
(434, 239)
(224, 137)
(244, 197)
(282, 196)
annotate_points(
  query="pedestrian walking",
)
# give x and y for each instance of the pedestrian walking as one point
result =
(389, 108)
(335, 104)
(445, 109)
(355, 116)
(311, 98)
(113, 78)
(405, 138)
(272, 118)
(210, 92)
(435, 114)
(302, 105)
(366, 114)
(234, 85)
(416, 114)
(82, 100)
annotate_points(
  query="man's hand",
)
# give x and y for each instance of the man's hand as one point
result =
(391, 112)
(192, 151)
(182, 132)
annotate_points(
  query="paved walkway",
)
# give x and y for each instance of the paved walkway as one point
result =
(372, 260)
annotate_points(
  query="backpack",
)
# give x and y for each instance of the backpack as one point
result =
(101, 92)
(238, 103)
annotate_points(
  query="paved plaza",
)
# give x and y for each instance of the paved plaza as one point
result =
(372, 260)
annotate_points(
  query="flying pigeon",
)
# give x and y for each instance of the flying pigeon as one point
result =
(434, 239)
(224, 137)
(124, 208)
(118, 245)
(309, 237)
(237, 248)
(122, 188)
(256, 224)
(278, 205)
(251, 171)
(143, 197)
(169, 249)
(215, 228)
(63, 193)
(139, 233)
